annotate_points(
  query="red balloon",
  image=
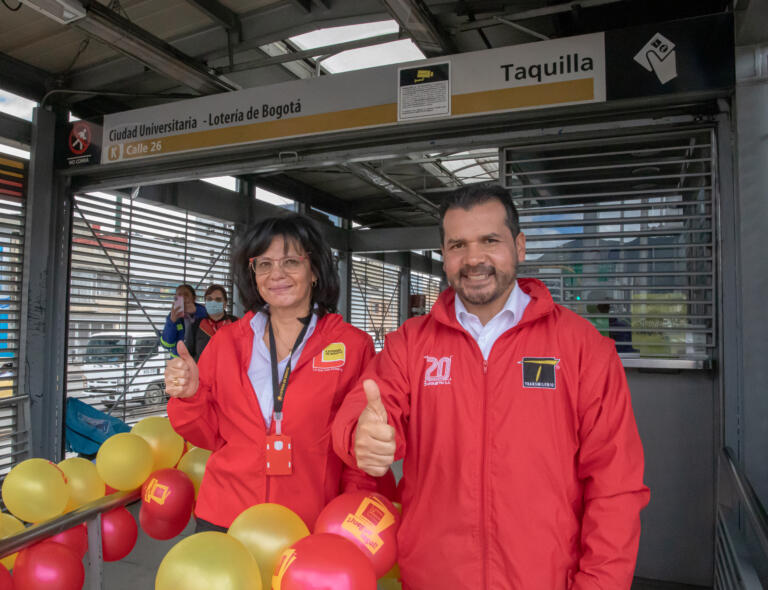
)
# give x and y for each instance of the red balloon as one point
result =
(161, 529)
(75, 538)
(118, 534)
(323, 561)
(367, 519)
(48, 566)
(6, 581)
(168, 494)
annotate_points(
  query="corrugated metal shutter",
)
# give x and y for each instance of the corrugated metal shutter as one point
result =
(128, 257)
(14, 409)
(375, 297)
(621, 229)
(427, 285)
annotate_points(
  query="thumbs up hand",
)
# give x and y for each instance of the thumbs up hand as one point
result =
(374, 437)
(181, 376)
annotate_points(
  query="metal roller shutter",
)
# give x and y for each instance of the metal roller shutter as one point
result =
(127, 259)
(375, 297)
(622, 231)
(14, 408)
(426, 285)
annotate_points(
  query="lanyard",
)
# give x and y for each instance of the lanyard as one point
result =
(278, 389)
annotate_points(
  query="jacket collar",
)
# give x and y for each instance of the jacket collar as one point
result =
(540, 305)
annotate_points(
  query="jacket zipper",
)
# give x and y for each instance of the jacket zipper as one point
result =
(483, 476)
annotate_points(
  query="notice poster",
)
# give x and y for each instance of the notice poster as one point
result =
(424, 91)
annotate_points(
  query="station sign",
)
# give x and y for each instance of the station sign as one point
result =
(692, 55)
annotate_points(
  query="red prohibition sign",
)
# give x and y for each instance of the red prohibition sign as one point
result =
(79, 137)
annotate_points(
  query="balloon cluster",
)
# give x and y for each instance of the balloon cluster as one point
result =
(269, 546)
(37, 490)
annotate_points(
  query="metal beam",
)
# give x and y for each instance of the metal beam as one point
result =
(16, 130)
(414, 17)
(23, 79)
(297, 190)
(219, 13)
(129, 39)
(263, 26)
(300, 55)
(395, 239)
(380, 180)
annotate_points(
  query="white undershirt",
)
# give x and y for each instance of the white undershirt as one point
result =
(486, 335)
(260, 369)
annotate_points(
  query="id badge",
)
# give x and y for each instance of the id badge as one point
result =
(279, 455)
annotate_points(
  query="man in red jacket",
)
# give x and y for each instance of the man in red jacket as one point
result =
(522, 465)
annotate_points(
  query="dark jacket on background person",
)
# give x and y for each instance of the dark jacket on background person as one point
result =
(175, 331)
(201, 331)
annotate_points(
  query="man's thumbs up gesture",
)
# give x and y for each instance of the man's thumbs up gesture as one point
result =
(374, 437)
(181, 377)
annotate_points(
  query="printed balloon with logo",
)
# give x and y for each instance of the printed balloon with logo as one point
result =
(322, 561)
(167, 498)
(368, 520)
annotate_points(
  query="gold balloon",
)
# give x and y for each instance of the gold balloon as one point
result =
(83, 480)
(124, 461)
(388, 584)
(208, 561)
(267, 530)
(193, 464)
(167, 446)
(35, 490)
(393, 573)
(9, 525)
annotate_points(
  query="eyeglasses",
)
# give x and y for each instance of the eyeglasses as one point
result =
(262, 265)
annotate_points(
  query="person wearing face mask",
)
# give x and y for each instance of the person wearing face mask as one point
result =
(203, 329)
(267, 387)
(184, 312)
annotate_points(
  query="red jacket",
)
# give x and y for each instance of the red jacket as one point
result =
(524, 472)
(224, 416)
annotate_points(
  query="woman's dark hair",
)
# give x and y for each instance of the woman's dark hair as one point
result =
(215, 287)
(470, 195)
(188, 288)
(298, 230)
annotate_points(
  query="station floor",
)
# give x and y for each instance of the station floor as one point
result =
(137, 570)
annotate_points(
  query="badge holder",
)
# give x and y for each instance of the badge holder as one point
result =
(279, 452)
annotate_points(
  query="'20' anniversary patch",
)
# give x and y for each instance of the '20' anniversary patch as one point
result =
(539, 372)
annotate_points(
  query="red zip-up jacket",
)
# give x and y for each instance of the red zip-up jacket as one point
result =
(522, 472)
(224, 416)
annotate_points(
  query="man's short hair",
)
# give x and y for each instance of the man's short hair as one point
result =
(189, 288)
(301, 231)
(470, 195)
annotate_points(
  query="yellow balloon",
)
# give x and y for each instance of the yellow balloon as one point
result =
(35, 490)
(124, 461)
(193, 464)
(167, 446)
(208, 561)
(83, 480)
(9, 525)
(388, 584)
(267, 530)
(393, 573)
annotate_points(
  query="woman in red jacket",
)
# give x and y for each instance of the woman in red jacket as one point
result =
(268, 386)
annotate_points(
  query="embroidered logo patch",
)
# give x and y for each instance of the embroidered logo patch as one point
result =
(539, 372)
(332, 358)
(438, 371)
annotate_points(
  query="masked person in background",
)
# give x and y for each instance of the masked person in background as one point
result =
(184, 311)
(203, 329)
(277, 375)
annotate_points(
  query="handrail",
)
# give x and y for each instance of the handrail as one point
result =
(66, 521)
(754, 508)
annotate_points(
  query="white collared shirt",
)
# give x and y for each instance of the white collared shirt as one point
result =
(486, 335)
(260, 369)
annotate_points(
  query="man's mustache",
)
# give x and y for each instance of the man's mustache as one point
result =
(477, 269)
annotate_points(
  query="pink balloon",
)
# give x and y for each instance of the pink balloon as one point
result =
(322, 561)
(118, 534)
(160, 529)
(48, 566)
(75, 538)
(6, 581)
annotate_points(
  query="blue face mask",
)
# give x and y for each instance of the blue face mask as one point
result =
(214, 307)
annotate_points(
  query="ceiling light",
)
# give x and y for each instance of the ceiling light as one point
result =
(62, 11)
